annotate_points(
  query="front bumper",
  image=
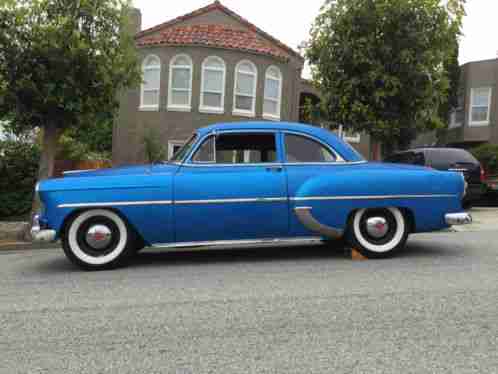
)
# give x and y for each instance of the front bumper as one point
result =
(454, 219)
(41, 235)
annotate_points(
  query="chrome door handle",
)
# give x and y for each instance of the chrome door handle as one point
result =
(275, 169)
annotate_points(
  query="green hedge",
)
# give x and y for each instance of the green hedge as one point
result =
(487, 155)
(18, 171)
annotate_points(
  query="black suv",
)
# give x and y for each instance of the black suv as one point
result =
(448, 159)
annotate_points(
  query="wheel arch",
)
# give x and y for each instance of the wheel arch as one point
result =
(73, 214)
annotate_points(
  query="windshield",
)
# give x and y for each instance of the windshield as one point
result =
(183, 151)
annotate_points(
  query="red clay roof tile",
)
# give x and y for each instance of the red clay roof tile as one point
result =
(220, 36)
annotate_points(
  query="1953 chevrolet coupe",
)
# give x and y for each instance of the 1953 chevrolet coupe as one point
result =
(247, 183)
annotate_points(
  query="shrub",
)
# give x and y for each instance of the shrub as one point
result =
(487, 155)
(18, 171)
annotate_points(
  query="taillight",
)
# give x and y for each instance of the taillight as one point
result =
(483, 175)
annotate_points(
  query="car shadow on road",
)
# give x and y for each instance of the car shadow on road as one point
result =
(246, 255)
(151, 257)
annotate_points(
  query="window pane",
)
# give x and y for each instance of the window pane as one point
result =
(272, 89)
(181, 78)
(213, 80)
(152, 61)
(480, 97)
(274, 73)
(206, 152)
(301, 149)
(479, 114)
(214, 63)
(246, 67)
(151, 79)
(243, 103)
(150, 98)
(270, 107)
(245, 84)
(212, 100)
(180, 98)
(245, 148)
(182, 60)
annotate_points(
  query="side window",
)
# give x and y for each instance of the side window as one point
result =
(238, 149)
(301, 149)
(205, 153)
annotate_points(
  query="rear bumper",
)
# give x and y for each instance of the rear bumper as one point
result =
(41, 235)
(454, 219)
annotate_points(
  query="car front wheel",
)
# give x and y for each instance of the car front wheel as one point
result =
(378, 233)
(98, 239)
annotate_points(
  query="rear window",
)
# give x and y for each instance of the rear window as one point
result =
(445, 157)
(413, 158)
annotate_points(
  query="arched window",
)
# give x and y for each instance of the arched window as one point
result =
(213, 85)
(180, 83)
(151, 75)
(273, 93)
(246, 78)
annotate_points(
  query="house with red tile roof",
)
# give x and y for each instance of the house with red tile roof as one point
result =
(206, 67)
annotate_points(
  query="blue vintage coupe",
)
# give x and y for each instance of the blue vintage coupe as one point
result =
(247, 183)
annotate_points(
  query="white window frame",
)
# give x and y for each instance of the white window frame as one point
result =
(472, 106)
(175, 107)
(350, 139)
(271, 116)
(142, 86)
(242, 112)
(172, 144)
(209, 109)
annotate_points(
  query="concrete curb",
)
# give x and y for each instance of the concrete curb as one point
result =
(6, 245)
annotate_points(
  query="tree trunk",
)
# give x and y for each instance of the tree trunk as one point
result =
(49, 149)
(51, 136)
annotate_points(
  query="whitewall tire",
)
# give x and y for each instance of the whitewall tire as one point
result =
(98, 239)
(378, 233)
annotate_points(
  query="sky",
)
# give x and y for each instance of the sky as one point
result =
(290, 20)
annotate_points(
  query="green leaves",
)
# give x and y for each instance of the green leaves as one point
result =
(384, 64)
(64, 61)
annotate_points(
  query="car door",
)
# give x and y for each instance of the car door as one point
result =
(233, 187)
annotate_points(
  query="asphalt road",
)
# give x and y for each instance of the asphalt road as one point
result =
(433, 309)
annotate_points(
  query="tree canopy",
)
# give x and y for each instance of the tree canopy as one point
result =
(62, 65)
(383, 65)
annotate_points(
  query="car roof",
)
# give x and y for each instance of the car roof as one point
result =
(346, 151)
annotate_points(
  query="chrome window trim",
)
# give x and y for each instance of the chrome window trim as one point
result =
(232, 165)
(189, 159)
(338, 157)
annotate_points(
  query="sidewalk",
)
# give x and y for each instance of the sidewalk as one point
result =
(11, 245)
(484, 219)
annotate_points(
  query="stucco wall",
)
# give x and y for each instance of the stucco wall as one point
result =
(132, 124)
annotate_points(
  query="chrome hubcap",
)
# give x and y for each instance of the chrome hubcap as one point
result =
(98, 236)
(377, 227)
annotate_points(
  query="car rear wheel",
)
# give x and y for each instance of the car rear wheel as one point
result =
(378, 233)
(98, 239)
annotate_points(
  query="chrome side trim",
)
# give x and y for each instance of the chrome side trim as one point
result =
(77, 171)
(225, 201)
(304, 215)
(454, 219)
(368, 197)
(235, 243)
(116, 203)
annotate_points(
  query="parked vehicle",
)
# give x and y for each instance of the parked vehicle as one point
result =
(492, 186)
(247, 183)
(448, 159)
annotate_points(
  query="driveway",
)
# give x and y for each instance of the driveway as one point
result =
(433, 309)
